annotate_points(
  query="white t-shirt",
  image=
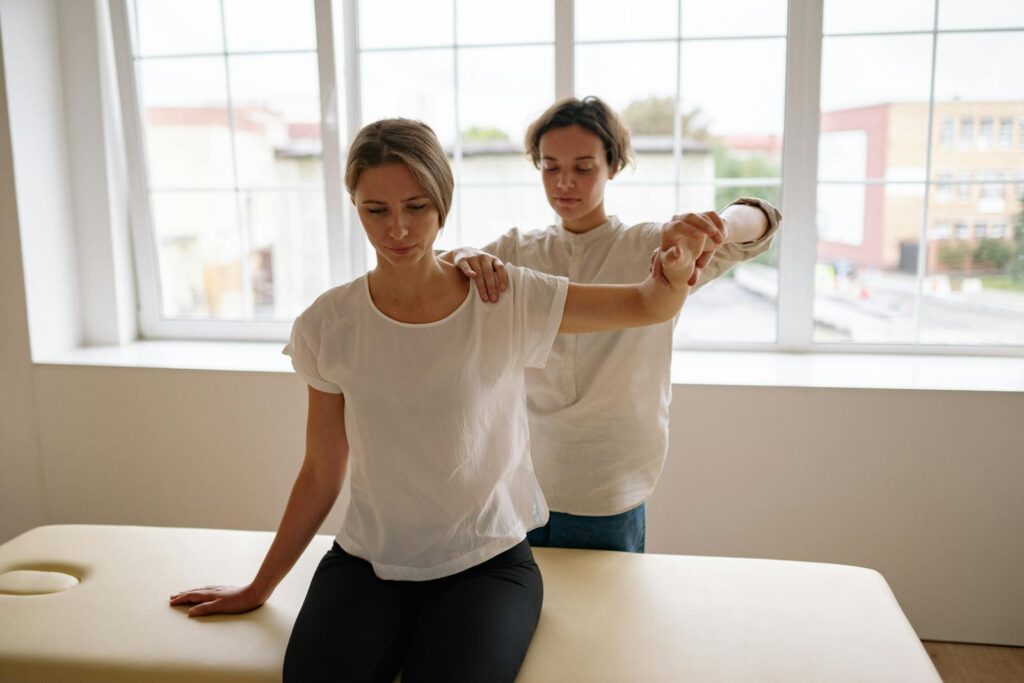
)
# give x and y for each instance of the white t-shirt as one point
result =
(599, 409)
(435, 414)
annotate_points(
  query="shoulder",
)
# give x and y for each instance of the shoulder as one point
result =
(335, 302)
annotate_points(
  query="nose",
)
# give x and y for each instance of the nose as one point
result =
(565, 180)
(397, 229)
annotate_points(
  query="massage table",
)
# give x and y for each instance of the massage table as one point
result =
(90, 603)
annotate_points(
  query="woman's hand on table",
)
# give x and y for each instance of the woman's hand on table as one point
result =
(219, 600)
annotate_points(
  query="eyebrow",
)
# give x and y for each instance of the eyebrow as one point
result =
(410, 199)
(589, 156)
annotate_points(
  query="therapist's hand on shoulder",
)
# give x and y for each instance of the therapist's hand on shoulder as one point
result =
(486, 270)
(219, 600)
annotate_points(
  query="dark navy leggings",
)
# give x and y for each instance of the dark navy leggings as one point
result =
(472, 626)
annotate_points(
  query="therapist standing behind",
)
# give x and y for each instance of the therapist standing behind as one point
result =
(599, 408)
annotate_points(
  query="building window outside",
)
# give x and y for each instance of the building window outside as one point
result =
(963, 188)
(942, 186)
(980, 228)
(1006, 133)
(941, 231)
(986, 130)
(998, 231)
(991, 191)
(966, 133)
(946, 133)
(960, 231)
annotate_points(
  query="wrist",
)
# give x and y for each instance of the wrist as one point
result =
(259, 590)
(728, 229)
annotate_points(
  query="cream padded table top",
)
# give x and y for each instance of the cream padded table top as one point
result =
(607, 616)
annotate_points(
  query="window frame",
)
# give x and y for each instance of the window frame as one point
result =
(798, 182)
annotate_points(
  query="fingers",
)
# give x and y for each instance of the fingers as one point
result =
(467, 269)
(494, 277)
(657, 274)
(487, 271)
(708, 224)
(191, 597)
(202, 609)
(502, 274)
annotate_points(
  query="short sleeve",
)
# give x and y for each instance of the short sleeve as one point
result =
(304, 347)
(539, 301)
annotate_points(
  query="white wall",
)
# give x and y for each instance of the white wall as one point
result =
(21, 483)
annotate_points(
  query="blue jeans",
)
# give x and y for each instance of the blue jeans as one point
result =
(625, 531)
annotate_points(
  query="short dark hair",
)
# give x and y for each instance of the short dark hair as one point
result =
(592, 114)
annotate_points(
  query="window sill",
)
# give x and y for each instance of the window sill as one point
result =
(714, 368)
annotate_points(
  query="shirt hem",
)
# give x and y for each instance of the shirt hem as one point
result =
(449, 568)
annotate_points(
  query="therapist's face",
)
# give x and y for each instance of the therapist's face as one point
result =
(574, 166)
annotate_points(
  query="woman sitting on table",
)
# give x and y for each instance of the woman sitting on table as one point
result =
(417, 388)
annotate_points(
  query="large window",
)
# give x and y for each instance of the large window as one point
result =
(912, 223)
(234, 187)
(895, 80)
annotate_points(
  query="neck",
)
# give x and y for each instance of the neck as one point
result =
(407, 282)
(594, 219)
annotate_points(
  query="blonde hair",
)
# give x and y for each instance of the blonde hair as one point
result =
(403, 141)
(592, 114)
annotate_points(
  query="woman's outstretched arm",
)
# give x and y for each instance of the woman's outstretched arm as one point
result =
(313, 494)
(599, 308)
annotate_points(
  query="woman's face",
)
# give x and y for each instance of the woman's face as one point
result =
(574, 167)
(400, 220)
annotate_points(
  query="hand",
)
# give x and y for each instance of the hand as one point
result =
(710, 223)
(219, 600)
(488, 271)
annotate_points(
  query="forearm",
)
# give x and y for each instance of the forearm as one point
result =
(662, 302)
(311, 500)
(743, 223)
(601, 308)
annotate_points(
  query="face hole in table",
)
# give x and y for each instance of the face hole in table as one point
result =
(36, 580)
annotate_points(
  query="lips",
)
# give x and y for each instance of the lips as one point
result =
(566, 201)
(401, 250)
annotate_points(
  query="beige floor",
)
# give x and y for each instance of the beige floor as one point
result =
(965, 663)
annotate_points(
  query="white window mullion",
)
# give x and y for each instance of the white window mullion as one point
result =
(143, 243)
(356, 245)
(798, 241)
(564, 46)
(677, 122)
(330, 140)
(241, 217)
(922, 249)
(457, 150)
